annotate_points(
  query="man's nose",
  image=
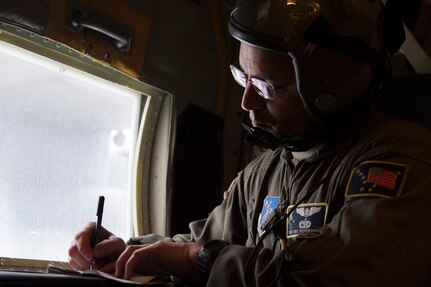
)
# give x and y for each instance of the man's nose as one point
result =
(251, 99)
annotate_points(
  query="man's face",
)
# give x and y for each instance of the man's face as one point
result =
(285, 114)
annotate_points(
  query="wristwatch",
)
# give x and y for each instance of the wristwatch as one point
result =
(207, 256)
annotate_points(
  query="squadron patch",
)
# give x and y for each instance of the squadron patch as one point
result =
(376, 178)
(269, 204)
(306, 219)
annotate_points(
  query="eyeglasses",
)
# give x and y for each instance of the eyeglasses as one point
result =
(263, 88)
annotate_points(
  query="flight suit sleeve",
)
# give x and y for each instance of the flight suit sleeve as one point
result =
(230, 220)
(265, 268)
(227, 222)
(372, 241)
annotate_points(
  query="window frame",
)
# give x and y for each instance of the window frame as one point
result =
(156, 120)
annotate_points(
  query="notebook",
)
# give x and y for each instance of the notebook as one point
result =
(137, 280)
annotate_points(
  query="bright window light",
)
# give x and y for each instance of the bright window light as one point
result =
(66, 138)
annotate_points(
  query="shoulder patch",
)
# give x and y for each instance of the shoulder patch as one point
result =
(306, 219)
(269, 204)
(376, 179)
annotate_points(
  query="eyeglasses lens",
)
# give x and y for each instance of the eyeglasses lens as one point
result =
(239, 76)
(264, 89)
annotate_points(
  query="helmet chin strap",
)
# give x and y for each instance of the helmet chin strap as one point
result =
(296, 143)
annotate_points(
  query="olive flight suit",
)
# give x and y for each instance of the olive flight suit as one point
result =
(364, 219)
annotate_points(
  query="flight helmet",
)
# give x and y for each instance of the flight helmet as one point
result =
(300, 27)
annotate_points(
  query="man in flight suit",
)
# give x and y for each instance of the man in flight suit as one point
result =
(342, 199)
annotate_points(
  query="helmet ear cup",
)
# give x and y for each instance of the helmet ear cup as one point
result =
(326, 103)
(339, 99)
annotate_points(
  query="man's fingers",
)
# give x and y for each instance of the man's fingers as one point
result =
(176, 259)
(79, 266)
(78, 260)
(108, 268)
(136, 257)
(112, 247)
(104, 233)
(144, 259)
(81, 253)
(123, 260)
(82, 242)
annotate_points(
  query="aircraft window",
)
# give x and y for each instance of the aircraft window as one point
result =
(67, 138)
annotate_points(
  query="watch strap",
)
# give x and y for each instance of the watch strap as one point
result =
(208, 254)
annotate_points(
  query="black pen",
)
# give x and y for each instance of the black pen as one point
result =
(99, 214)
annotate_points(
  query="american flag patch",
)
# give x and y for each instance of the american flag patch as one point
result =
(382, 177)
(376, 178)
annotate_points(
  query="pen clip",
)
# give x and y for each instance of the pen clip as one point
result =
(100, 206)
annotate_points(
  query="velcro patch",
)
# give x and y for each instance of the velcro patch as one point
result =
(376, 178)
(306, 219)
(269, 205)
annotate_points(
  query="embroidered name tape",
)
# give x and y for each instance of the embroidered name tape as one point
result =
(376, 178)
(269, 205)
(306, 219)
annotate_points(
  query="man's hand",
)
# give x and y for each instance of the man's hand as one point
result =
(104, 253)
(161, 258)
